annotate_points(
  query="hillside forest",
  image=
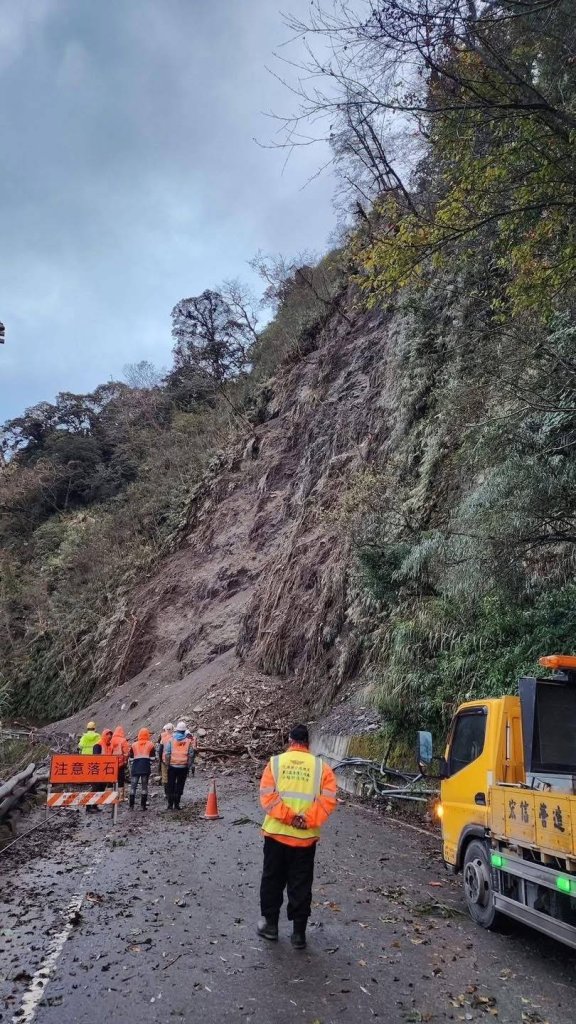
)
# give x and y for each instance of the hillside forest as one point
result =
(452, 125)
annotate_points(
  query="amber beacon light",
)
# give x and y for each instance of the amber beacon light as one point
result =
(558, 661)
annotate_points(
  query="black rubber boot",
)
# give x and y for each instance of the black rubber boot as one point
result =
(298, 937)
(132, 800)
(177, 805)
(267, 929)
(143, 802)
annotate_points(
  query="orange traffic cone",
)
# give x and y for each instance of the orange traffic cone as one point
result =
(211, 811)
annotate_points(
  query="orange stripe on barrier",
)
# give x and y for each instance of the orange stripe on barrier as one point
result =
(82, 799)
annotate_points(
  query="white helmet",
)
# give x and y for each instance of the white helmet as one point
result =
(181, 727)
(168, 727)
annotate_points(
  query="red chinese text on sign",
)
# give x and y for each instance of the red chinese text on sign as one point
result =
(83, 768)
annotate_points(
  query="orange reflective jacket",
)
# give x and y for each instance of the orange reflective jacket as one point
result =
(179, 751)
(165, 737)
(106, 741)
(120, 745)
(143, 748)
(314, 802)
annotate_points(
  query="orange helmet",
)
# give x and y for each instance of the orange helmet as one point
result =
(144, 734)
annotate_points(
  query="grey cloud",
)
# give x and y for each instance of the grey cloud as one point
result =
(130, 177)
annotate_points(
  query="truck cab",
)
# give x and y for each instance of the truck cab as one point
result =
(484, 746)
(508, 802)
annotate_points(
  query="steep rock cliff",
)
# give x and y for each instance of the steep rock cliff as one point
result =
(251, 608)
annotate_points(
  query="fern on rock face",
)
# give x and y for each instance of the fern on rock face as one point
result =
(470, 554)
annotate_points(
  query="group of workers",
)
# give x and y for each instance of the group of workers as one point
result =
(175, 750)
(297, 792)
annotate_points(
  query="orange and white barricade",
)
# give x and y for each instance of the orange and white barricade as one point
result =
(83, 770)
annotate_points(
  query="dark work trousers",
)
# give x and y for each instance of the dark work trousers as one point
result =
(176, 782)
(143, 780)
(290, 868)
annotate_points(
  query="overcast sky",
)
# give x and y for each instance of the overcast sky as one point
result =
(129, 177)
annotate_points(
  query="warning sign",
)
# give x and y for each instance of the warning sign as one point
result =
(82, 768)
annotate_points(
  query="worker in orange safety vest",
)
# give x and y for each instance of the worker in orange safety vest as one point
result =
(298, 793)
(104, 745)
(120, 748)
(163, 740)
(141, 753)
(179, 753)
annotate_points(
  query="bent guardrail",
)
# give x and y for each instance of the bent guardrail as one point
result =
(14, 791)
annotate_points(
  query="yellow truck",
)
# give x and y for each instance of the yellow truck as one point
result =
(508, 802)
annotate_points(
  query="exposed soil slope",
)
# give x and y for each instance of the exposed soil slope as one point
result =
(246, 623)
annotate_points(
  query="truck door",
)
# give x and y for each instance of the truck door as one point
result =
(464, 791)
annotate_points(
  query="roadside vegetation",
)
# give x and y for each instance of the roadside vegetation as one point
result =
(96, 488)
(453, 127)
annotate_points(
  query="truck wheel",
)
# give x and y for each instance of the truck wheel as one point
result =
(478, 890)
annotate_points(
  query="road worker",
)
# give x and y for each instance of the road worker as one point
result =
(179, 754)
(164, 738)
(104, 745)
(120, 749)
(190, 736)
(141, 754)
(88, 739)
(298, 793)
(90, 744)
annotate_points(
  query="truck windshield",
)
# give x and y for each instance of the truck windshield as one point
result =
(467, 739)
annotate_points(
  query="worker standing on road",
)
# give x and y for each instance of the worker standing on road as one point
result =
(165, 737)
(90, 743)
(190, 736)
(141, 753)
(179, 754)
(89, 739)
(120, 749)
(298, 793)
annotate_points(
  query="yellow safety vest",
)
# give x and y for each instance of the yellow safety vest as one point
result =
(298, 777)
(88, 741)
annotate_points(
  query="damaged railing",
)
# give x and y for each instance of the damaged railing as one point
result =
(15, 790)
(376, 779)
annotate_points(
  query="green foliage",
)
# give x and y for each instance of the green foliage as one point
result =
(442, 652)
(305, 297)
(466, 538)
(500, 152)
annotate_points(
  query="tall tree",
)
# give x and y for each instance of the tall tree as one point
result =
(212, 336)
(485, 90)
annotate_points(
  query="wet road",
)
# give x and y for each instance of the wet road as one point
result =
(154, 921)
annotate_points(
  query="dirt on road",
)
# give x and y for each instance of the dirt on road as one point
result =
(154, 920)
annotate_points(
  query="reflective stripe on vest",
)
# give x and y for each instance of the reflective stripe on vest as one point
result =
(179, 753)
(143, 748)
(298, 777)
(142, 751)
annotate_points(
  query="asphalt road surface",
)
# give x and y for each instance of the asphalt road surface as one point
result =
(155, 921)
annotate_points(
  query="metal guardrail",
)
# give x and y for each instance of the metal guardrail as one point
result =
(16, 789)
(376, 779)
